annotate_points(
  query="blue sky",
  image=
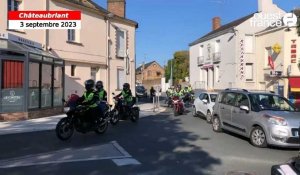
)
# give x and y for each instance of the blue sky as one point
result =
(166, 26)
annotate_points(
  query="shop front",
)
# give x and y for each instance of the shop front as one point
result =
(294, 91)
(32, 80)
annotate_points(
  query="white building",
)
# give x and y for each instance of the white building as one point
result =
(225, 57)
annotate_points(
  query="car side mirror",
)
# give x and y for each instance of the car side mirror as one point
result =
(244, 108)
(205, 101)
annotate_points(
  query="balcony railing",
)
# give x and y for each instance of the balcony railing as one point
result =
(217, 57)
(200, 60)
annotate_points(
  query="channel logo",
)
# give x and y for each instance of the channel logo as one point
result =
(290, 20)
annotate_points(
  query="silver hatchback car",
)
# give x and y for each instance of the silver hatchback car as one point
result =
(265, 118)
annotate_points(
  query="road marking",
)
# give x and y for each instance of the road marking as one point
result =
(126, 161)
(109, 151)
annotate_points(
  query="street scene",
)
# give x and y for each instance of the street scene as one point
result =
(109, 87)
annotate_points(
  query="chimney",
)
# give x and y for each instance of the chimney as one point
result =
(216, 23)
(117, 7)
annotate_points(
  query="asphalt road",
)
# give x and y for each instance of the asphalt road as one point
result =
(157, 145)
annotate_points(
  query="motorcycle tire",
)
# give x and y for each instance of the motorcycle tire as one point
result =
(101, 129)
(62, 127)
(135, 115)
(115, 117)
(175, 111)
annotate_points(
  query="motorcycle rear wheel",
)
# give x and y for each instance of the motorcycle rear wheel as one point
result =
(115, 117)
(64, 129)
(135, 115)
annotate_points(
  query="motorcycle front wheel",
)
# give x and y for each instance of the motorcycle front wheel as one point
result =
(101, 128)
(64, 129)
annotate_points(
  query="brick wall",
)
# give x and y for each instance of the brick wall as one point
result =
(117, 7)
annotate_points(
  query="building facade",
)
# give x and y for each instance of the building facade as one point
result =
(225, 57)
(150, 74)
(283, 75)
(103, 49)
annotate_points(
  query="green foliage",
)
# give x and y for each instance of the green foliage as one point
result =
(180, 64)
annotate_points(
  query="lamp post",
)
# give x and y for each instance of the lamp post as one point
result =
(171, 76)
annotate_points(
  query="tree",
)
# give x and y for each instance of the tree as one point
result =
(297, 13)
(180, 66)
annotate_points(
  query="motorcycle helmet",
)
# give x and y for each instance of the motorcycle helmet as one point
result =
(99, 85)
(89, 84)
(126, 86)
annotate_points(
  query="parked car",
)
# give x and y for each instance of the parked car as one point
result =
(141, 92)
(203, 105)
(265, 118)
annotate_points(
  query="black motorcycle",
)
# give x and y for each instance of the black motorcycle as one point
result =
(122, 112)
(77, 120)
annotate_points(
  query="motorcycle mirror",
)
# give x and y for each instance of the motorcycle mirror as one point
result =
(63, 100)
(113, 93)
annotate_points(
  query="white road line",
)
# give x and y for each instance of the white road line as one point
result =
(122, 150)
(126, 161)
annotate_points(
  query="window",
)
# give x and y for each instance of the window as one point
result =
(217, 68)
(73, 70)
(34, 85)
(58, 86)
(158, 74)
(249, 71)
(241, 100)
(73, 35)
(12, 91)
(217, 46)
(268, 52)
(213, 97)
(149, 72)
(120, 78)
(121, 43)
(208, 51)
(248, 44)
(46, 98)
(228, 98)
(12, 5)
(93, 73)
(201, 50)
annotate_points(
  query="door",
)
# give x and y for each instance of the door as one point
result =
(204, 106)
(226, 106)
(12, 85)
(198, 102)
(241, 119)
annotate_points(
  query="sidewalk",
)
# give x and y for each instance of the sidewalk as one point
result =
(49, 123)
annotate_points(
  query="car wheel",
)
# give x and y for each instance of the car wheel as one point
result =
(195, 112)
(258, 137)
(216, 124)
(208, 117)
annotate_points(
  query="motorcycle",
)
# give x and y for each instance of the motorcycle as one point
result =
(120, 112)
(188, 99)
(77, 120)
(178, 106)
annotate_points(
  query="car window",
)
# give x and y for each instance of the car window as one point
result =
(271, 102)
(241, 100)
(228, 98)
(201, 96)
(213, 97)
(205, 96)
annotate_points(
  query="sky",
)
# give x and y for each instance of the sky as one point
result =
(167, 26)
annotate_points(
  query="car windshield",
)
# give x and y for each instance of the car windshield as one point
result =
(213, 97)
(271, 102)
(140, 88)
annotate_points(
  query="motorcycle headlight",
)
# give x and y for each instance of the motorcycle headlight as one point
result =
(277, 121)
(66, 109)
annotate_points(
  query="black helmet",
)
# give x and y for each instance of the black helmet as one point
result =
(126, 86)
(99, 85)
(89, 84)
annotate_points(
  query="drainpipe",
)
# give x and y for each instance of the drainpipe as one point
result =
(107, 18)
(46, 31)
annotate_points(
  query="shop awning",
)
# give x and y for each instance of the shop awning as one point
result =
(294, 84)
(13, 46)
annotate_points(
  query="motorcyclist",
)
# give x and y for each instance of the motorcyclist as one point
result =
(178, 92)
(90, 99)
(127, 95)
(190, 89)
(102, 94)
